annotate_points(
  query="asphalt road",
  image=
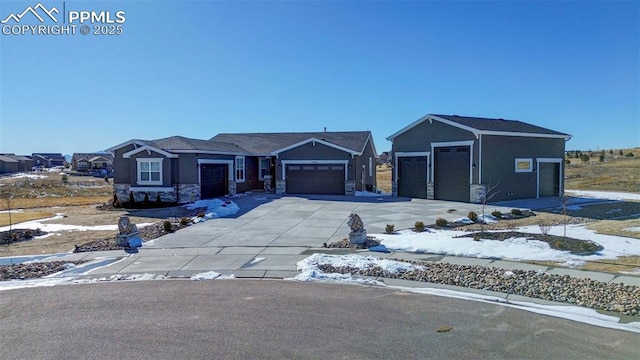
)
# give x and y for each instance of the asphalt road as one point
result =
(246, 319)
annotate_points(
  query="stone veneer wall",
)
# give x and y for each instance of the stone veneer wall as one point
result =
(122, 192)
(350, 187)
(188, 192)
(477, 193)
(394, 188)
(232, 187)
(267, 183)
(281, 187)
(430, 191)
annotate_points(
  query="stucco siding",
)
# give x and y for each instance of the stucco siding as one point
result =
(498, 163)
(121, 169)
(422, 135)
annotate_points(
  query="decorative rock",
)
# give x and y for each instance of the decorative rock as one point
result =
(358, 234)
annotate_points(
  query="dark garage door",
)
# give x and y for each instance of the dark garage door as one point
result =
(213, 180)
(412, 176)
(549, 179)
(451, 173)
(315, 179)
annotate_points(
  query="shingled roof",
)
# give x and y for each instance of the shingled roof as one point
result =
(487, 125)
(266, 143)
(258, 144)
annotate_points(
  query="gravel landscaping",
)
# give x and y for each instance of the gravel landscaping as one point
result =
(614, 297)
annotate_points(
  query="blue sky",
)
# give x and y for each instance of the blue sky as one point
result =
(198, 68)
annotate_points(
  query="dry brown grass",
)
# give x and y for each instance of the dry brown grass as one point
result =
(622, 264)
(18, 217)
(64, 241)
(616, 173)
(383, 178)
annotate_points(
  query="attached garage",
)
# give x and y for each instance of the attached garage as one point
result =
(451, 178)
(328, 179)
(213, 180)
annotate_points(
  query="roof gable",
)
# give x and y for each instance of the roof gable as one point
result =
(487, 126)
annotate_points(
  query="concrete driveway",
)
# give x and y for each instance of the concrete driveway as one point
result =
(271, 234)
(309, 221)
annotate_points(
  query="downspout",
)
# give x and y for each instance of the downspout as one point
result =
(480, 160)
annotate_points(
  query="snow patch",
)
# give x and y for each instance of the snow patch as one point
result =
(215, 208)
(209, 275)
(609, 195)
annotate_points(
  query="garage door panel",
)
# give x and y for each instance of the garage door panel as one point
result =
(315, 179)
(549, 175)
(213, 180)
(452, 173)
(412, 176)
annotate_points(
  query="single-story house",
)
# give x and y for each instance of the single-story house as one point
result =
(471, 159)
(85, 162)
(48, 160)
(183, 169)
(10, 163)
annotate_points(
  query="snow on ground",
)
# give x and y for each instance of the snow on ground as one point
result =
(215, 208)
(445, 242)
(24, 175)
(635, 228)
(610, 195)
(51, 228)
(310, 272)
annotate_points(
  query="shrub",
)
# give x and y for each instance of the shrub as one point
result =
(516, 212)
(629, 154)
(65, 178)
(166, 225)
(620, 152)
(496, 213)
(419, 226)
(158, 199)
(476, 237)
(145, 201)
(389, 228)
(567, 161)
(28, 234)
(184, 221)
(601, 158)
(544, 228)
(472, 216)
(106, 179)
(200, 215)
(132, 199)
(441, 222)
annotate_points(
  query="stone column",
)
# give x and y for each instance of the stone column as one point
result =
(281, 187)
(232, 187)
(477, 193)
(430, 191)
(394, 188)
(267, 183)
(350, 187)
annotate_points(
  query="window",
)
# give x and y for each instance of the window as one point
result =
(524, 165)
(265, 164)
(240, 169)
(149, 171)
(370, 166)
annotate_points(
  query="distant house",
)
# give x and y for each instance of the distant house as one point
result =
(183, 169)
(8, 164)
(460, 158)
(22, 163)
(48, 160)
(384, 158)
(86, 162)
